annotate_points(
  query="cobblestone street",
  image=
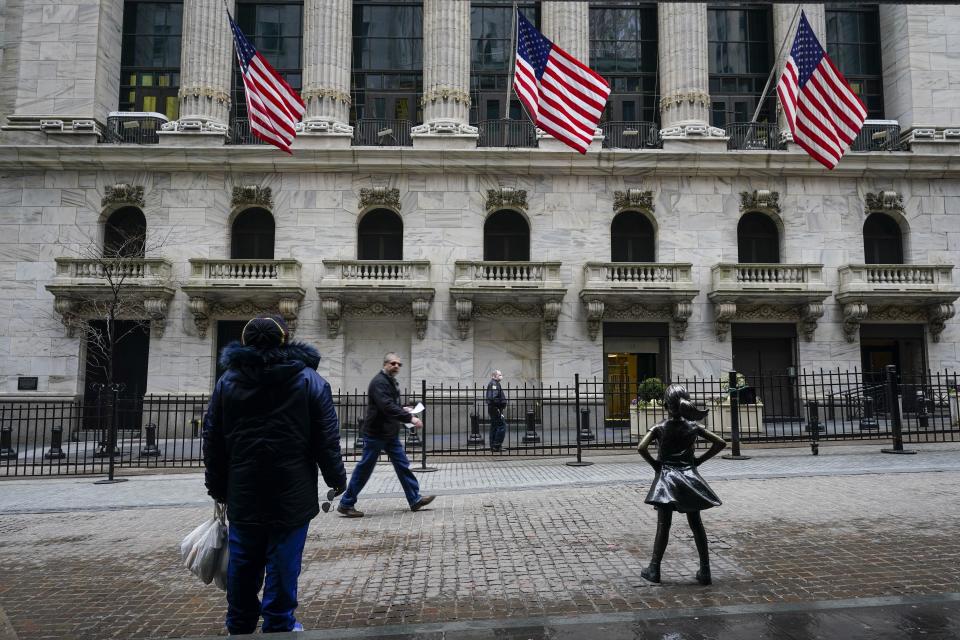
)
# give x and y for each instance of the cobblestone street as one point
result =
(573, 545)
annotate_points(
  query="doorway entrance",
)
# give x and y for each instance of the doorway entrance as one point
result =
(127, 354)
(903, 346)
(227, 331)
(632, 352)
(766, 355)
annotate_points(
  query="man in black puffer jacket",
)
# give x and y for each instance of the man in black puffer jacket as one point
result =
(270, 424)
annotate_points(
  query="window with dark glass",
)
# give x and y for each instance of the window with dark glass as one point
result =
(125, 233)
(740, 57)
(631, 238)
(623, 49)
(252, 235)
(387, 61)
(150, 57)
(491, 51)
(380, 236)
(882, 240)
(506, 236)
(757, 239)
(275, 29)
(853, 43)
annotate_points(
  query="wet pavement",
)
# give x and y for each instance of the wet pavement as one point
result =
(850, 544)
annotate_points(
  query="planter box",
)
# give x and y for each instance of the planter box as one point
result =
(642, 418)
(750, 417)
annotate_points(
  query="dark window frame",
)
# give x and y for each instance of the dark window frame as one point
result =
(853, 57)
(735, 93)
(506, 237)
(882, 238)
(380, 235)
(632, 242)
(125, 233)
(250, 238)
(150, 87)
(758, 242)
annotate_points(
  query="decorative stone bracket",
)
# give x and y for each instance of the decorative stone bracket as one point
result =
(123, 194)
(73, 312)
(854, 313)
(380, 197)
(334, 309)
(723, 313)
(444, 128)
(506, 197)
(884, 201)
(548, 312)
(633, 199)
(809, 315)
(204, 309)
(760, 200)
(464, 314)
(679, 312)
(252, 196)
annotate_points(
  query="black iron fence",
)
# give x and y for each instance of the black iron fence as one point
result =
(878, 135)
(631, 135)
(134, 127)
(751, 136)
(74, 437)
(506, 133)
(381, 132)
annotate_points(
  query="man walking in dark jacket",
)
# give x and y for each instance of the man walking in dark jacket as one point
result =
(381, 432)
(270, 424)
(496, 403)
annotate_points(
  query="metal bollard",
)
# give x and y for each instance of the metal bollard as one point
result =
(896, 424)
(195, 426)
(7, 452)
(475, 439)
(56, 444)
(531, 437)
(868, 422)
(151, 450)
(585, 433)
(813, 417)
(358, 439)
(413, 437)
(923, 418)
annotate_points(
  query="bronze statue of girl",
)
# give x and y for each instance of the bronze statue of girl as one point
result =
(677, 486)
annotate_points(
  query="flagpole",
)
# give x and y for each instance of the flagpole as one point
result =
(776, 63)
(513, 53)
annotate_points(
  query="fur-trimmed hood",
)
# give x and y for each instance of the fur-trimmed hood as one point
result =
(268, 366)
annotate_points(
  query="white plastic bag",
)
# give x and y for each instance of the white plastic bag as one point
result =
(220, 575)
(203, 547)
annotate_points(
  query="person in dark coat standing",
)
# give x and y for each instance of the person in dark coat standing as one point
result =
(381, 432)
(270, 425)
(496, 403)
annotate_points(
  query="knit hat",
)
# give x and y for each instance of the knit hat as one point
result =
(265, 332)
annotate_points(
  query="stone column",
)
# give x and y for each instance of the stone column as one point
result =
(327, 29)
(206, 62)
(784, 31)
(684, 74)
(567, 24)
(446, 77)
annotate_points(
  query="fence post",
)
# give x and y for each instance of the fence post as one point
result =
(577, 416)
(896, 423)
(56, 444)
(7, 452)
(423, 418)
(151, 450)
(734, 420)
(112, 438)
(475, 439)
(813, 426)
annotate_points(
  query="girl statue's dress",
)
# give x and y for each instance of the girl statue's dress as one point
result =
(677, 485)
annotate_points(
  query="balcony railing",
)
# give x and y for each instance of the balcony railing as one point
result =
(635, 275)
(767, 277)
(753, 136)
(878, 135)
(507, 133)
(245, 272)
(895, 277)
(240, 133)
(507, 274)
(380, 132)
(631, 135)
(132, 271)
(375, 272)
(134, 127)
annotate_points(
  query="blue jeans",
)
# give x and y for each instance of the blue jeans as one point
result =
(253, 550)
(498, 427)
(364, 469)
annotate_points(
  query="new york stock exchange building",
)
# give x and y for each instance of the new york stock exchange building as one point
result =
(421, 212)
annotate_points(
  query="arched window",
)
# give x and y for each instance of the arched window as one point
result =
(757, 239)
(631, 238)
(506, 236)
(125, 233)
(380, 236)
(882, 240)
(252, 235)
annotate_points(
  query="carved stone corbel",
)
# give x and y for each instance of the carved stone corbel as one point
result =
(551, 312)
(380, 197)
(252, 195)
(853, 315)
(506, 197)
(123, 194)
(810, 313)
(67, 308)
(421, 311)
(201, 315)
(884, 201)
(681, 314)
(938, 315)
(633, 199)
(289, 310)
(156, 308)
(332, 311)
(723, 313)
(595, 310)
(760, 199)
(464, 314)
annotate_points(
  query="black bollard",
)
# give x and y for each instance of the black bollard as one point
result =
(531, 436)
(813, 417)
(475, 439)
(56, 444)
(413, 438)
(923, 418)
(585, 433)
(895, 420)
(734, 421)
(7, 452)
(195, 427)
(358, 439)
(868, 422)
(151, 450)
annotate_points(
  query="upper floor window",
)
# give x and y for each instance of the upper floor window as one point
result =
(853, 42)
(882, 240)
(741, 56)
(631, 238)
(380, 236)
(275, 28)
(387, 60)
(758, 239)
(252, 235)
(124, 234)
(506, 236)
(150, 57)
(623, 49)
(491, 42)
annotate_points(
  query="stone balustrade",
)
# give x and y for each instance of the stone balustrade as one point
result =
(130, 270)
(507, 274)
(777, 277)
(633, 274)
(376, 272)
(895, 277)
(244, 272)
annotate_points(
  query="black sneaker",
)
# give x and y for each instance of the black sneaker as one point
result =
(349, 512)
(422, 502)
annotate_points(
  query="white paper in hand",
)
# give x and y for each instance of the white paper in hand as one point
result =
(417, 409)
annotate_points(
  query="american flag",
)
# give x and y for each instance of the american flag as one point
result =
(563, 96)
(823, 112)
(273, 107)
